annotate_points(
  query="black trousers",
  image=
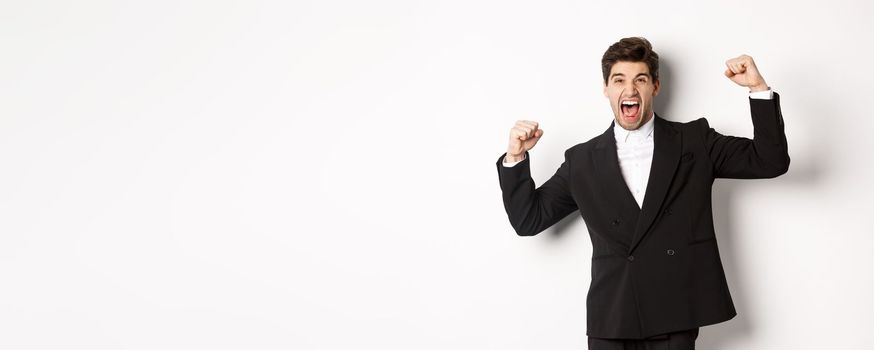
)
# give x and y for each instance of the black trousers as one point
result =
(682, 340)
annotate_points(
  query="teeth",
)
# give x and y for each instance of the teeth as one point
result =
(629, 103)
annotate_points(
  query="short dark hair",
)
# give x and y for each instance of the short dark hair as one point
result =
(634, 49)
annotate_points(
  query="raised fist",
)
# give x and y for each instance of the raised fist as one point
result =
(742, 70)
(523, 136)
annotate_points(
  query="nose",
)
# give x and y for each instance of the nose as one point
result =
(629, 92)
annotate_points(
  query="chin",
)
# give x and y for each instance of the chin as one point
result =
(633, 126)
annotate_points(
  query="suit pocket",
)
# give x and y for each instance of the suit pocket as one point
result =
(687, 162)
(687, 157)
(684, 170)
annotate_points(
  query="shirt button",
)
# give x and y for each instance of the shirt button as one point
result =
(631, 258)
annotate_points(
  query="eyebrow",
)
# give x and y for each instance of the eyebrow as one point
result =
(622, 75)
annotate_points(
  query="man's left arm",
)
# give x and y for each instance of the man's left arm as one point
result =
(766, 155)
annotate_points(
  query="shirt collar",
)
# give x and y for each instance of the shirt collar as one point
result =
(639, 135)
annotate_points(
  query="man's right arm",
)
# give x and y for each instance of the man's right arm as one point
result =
(531, 210)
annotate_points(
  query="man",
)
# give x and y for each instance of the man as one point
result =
(643, 188)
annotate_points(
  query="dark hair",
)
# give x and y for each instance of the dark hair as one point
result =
(635, 49)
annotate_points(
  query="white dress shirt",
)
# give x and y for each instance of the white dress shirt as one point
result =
(634, 150)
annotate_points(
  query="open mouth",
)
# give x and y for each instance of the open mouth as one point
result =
(630, 109)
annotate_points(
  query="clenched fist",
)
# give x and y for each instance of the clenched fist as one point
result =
(523, 136)
(742, 70)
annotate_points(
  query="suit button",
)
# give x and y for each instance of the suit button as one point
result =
(631, 258)
(670, 252)
(615, 222)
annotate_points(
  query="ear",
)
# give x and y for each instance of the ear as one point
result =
(605, 90)
(657, 84)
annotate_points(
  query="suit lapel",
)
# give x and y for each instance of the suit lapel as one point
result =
(609, 174)
(665, 158)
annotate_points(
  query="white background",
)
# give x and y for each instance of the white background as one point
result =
(321, 174)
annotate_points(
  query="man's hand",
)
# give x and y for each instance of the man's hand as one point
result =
(523, 136)
(742, 70)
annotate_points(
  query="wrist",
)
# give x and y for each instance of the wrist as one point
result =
(509, 158)
(759, 87)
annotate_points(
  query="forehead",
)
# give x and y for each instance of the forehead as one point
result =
(629, 68)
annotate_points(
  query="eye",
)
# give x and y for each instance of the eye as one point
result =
(617, 81)
(641, 80)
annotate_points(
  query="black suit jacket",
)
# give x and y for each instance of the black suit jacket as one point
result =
(655, 269)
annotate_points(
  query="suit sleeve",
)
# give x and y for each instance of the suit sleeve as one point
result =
(533, 210)
(765, 156)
